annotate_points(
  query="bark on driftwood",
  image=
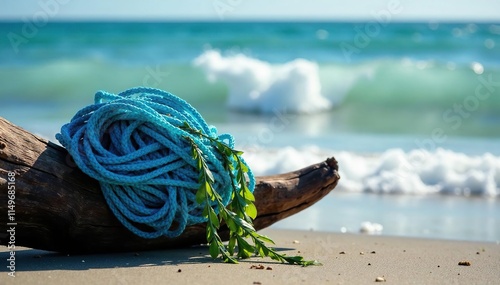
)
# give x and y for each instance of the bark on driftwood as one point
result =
(59, 208)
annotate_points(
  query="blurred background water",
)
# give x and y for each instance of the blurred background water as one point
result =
(410, 109)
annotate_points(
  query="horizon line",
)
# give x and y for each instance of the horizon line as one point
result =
(250, 20)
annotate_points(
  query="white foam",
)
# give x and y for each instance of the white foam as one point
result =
(370, 228)
(416, 172)
(259, 86)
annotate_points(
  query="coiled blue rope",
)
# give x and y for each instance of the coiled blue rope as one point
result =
(133, 144)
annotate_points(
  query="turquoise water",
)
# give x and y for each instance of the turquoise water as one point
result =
(410, 110)
(426, 75)
(455, 218)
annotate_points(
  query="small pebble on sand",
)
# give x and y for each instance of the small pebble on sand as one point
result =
(464, 263)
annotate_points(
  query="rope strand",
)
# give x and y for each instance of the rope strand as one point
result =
(133, 144)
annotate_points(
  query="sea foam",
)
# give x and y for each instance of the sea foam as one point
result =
(394, 171)
(259, 86)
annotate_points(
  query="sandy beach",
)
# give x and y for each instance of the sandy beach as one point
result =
(410, 114)
(152, 101)
(345, 258)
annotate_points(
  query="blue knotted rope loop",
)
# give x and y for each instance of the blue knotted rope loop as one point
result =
(133, 143)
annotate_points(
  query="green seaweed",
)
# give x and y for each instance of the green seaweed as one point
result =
(238, 214)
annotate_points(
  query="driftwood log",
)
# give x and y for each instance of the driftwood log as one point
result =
(59, 208)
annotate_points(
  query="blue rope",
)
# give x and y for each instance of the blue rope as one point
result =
(133, 144)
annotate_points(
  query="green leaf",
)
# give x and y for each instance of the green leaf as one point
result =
(246, 225)
(200, 195)
(206, 209)
(261, 250)
(251, 211)
(214, 219)
(214, 249)
(229, 259)
(209, 190)
(227, 151)
(231, 244)
(245, 250)
(210, 234)
(300, 261)
(264, 238)
(200, 161)
(248, 195)
(194, 154)
(209, 174)
(231, 225)
(243, 167)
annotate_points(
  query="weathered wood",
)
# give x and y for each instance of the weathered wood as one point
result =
(59, 208)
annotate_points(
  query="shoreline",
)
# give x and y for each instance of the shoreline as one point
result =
(346, 259)
(431, 216)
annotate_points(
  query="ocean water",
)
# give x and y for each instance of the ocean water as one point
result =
(410, 110)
